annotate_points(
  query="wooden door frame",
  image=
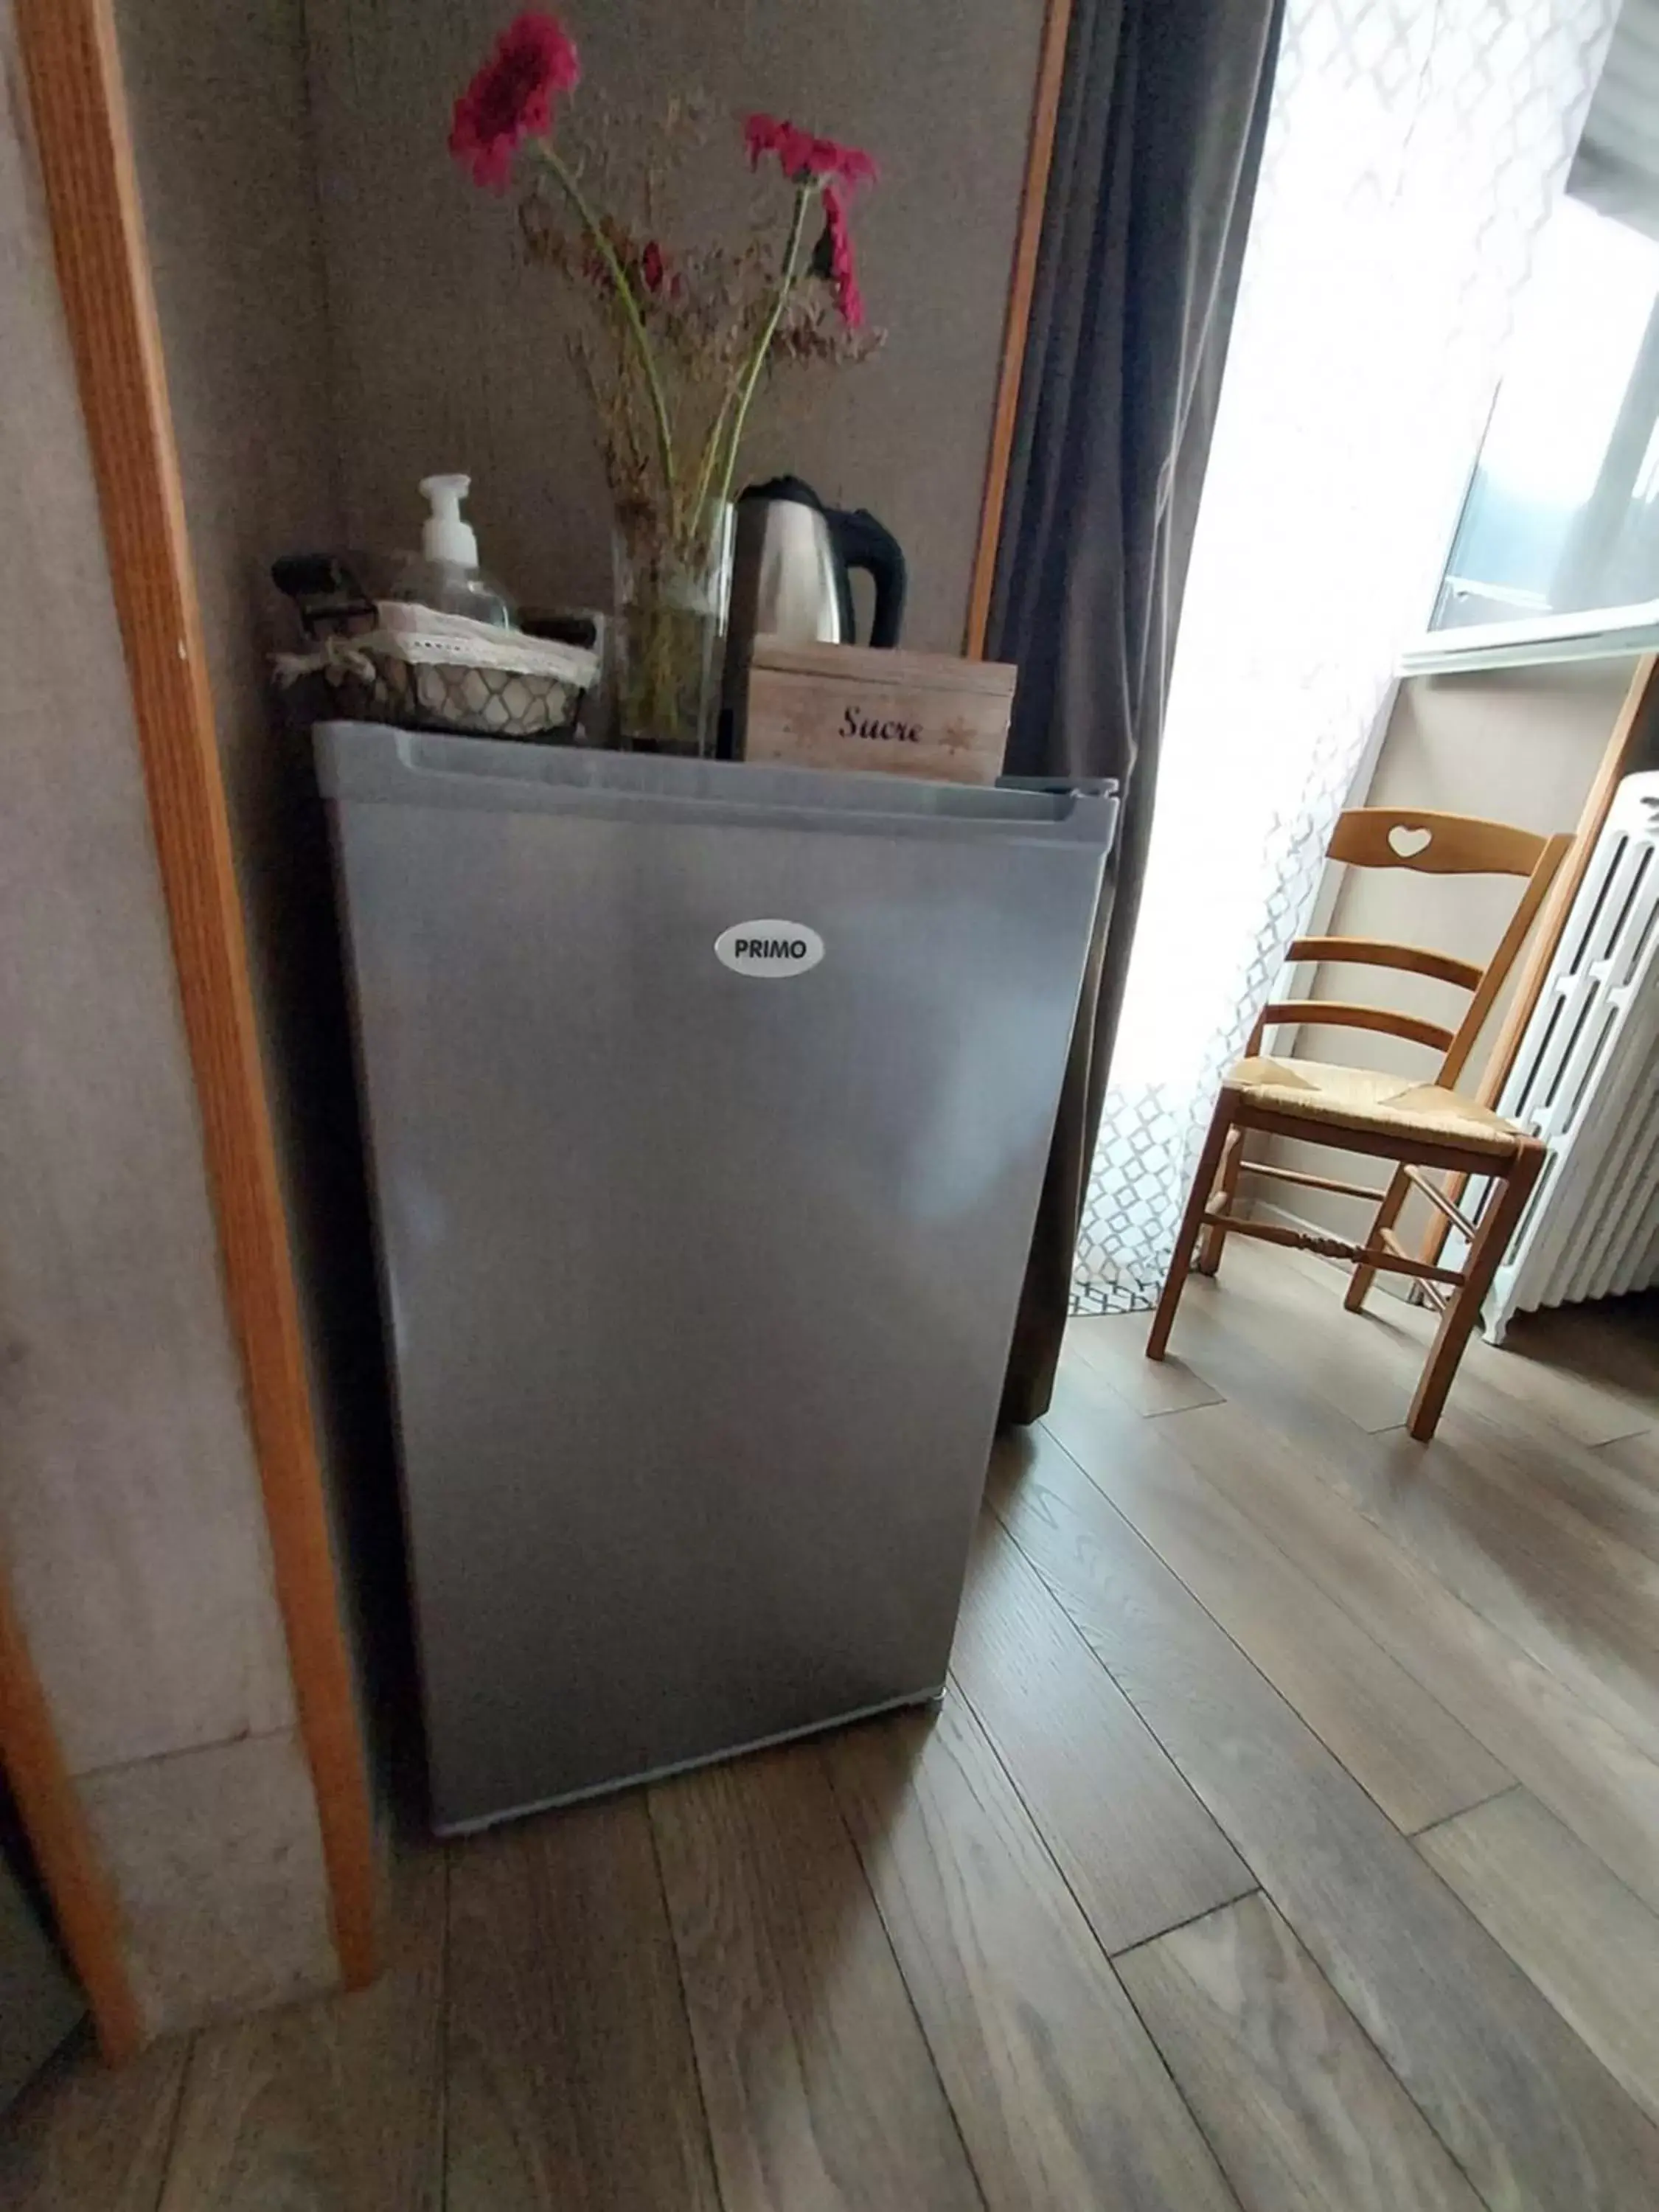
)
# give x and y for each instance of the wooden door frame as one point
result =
(1017, 322)
(83, 141)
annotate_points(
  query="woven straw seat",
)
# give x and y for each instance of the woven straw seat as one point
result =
(1364, 1098)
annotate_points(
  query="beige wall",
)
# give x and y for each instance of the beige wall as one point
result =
(452, 355)
(130, 1520)
(221, 128)
(1518, 746)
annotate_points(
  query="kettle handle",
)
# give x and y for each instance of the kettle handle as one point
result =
(862, 541)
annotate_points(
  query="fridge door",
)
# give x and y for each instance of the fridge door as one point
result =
(699, 1261)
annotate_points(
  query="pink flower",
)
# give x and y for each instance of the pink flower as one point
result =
(511, 98)
(842, 275)
(764, 134)
(800, 155)
(851, 165)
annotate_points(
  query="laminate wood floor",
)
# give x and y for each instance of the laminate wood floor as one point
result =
(1288, 1842)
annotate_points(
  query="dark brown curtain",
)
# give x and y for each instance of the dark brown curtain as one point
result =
(1159, 141)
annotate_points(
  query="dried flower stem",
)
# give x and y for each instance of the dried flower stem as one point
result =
(712, 448)
(804, 193)
(631, 307)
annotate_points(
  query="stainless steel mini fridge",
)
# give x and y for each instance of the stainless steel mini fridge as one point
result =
(708, 1108)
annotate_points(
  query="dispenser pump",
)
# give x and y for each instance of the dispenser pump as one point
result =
(445, 574)
(445, 535)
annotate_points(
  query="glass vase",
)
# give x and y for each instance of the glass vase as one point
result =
(672, 586)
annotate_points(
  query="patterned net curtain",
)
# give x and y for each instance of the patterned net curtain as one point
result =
(1414, 152)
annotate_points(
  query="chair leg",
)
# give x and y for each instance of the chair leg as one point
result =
(1191, 1221)
(1492, 1240)
(1226, 1189)
(1387, 1214)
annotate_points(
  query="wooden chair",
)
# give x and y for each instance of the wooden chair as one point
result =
(1421, 1126)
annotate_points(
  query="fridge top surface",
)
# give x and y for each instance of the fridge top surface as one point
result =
(374, 764)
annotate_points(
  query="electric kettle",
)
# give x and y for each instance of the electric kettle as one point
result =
(791, 563)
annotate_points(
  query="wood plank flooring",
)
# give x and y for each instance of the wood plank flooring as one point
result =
(566, 2023)
(336, 2104)
(820, 2089)
(1394, 1737)
(1288, 1841)
(1515, 2096)
(1139, 1851)
(1062, 2098)
(1589, 1944)
(1298, 2103)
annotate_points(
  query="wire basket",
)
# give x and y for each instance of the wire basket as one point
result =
(478, 702)
(425, 670)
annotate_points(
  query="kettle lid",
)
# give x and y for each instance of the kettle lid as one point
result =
(783, 487)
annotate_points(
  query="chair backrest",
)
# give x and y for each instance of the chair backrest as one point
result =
(1432, 844)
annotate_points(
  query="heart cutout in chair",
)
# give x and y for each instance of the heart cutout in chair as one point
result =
(1408, 842)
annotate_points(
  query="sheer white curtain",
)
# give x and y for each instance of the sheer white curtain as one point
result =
(1413, 153)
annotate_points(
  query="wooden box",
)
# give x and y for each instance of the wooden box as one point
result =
(845, 705)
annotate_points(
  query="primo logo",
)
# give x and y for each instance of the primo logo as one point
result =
(769, 948)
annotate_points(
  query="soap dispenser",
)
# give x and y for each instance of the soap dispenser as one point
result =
(445, 574)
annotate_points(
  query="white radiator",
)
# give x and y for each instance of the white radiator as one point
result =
(1586, 1080)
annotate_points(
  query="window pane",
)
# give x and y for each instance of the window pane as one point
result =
(1563, 511)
